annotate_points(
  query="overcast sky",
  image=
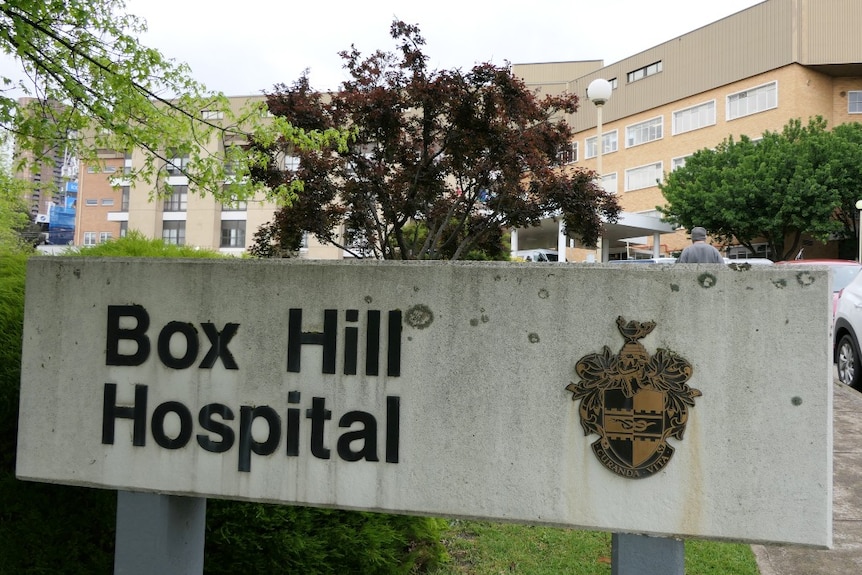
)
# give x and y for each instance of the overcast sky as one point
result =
(247, 46)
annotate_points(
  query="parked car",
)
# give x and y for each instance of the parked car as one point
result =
(536, 255)
(843, 272)
(645, 261)
(846, 332)
(749, 261)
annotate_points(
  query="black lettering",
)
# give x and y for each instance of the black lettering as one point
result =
(191, 336)
(137, 413)
(205, 418)
(157, 425)
(247, 444)
(368, 436)
(293, 424)
(393, 352)
(115, 333)
(318, 414)
(372, 343)
(296, 338)
(218, 345)
(393, 428)
(351, 343)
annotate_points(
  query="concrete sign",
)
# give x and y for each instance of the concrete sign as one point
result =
(666, 400)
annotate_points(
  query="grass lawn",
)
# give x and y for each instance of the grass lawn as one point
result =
(484, 548)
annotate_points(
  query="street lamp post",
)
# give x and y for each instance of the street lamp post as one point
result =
(599, 92)
(634, 553)
(859, 230)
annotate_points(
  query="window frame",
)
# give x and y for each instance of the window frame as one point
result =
(291, 163)
(645, 126)
(567, 154)
(212, 114)
(604, 183)
(644, 72)
(751, 94)
(854, 101)
(176, 161)
(659, 168)
(125, 193)
(678, 162)
(610, 144)
(232, 234)
(178, 201)
(178, 238)
(694, 111)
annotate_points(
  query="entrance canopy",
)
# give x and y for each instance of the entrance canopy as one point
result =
(630, 228)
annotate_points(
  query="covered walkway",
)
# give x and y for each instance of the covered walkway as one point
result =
(617, 238)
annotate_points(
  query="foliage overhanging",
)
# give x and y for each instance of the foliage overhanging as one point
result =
(439, 160)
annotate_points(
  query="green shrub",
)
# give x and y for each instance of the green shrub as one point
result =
(317, 541)
(61, 529)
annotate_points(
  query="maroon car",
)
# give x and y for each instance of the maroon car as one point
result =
(843, 272)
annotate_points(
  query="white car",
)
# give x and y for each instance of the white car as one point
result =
(846, 333)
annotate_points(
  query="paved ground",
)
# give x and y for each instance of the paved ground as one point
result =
(845, 557)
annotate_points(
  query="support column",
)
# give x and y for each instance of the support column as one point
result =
(159, 534)
(645, 555)
(561, 240)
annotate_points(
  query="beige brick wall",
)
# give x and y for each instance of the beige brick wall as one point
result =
(802, 93)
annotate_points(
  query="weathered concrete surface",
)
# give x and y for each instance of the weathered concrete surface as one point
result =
(467, 415)
(846, 553)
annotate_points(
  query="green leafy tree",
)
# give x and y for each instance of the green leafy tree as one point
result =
(801, 181)
(843, 173)
(440, 160)
(91, 84)
(14, 215)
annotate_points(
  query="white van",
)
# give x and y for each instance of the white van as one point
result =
(536, 256)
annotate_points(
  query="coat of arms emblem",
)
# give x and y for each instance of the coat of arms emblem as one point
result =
(634, 402)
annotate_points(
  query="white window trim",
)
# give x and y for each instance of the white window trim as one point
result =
(587, 141)
(729, 96)
(647, 121)
(675, 132)
(616, 179)
(660, 165)
(674, 162)
(849, 111)
(291, 163)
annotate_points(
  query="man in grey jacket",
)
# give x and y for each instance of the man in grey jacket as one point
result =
(700, 252)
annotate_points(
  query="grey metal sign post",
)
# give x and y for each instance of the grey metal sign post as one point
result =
(159, 533)
(644, 555)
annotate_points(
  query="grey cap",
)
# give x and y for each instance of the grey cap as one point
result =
(698, 234)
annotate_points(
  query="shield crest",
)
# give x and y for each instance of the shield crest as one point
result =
(634, 401)
(633, 428)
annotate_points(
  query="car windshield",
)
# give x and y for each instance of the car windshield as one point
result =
(843, 275)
